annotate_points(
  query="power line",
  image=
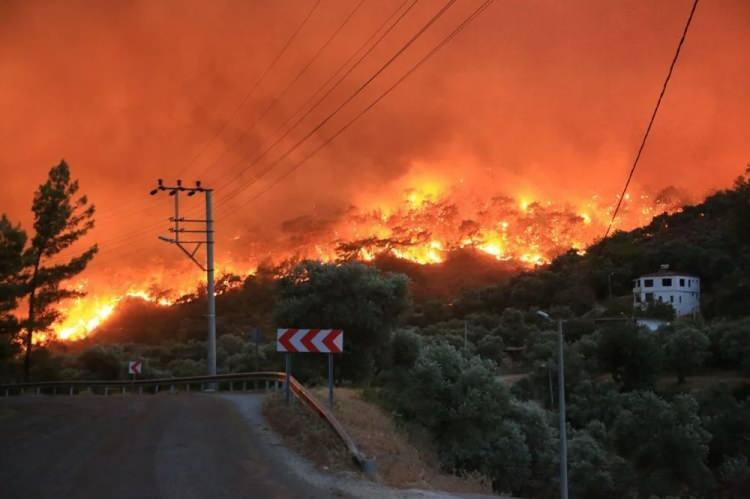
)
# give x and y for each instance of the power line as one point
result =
(359, 90)
(305, 114)
(257, 83)
(204, 145)
(282, 93)
(124, 239)
(478, 11)
(651, 121)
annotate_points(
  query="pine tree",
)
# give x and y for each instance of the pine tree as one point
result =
(12, 242)
(60, 219)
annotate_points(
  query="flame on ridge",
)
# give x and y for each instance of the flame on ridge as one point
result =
(424, 227)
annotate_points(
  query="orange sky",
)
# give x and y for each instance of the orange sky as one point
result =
(541, 98)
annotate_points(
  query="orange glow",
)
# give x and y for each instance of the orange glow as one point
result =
(507, 143)
(423, 226)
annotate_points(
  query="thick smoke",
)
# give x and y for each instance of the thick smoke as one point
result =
(537, 100)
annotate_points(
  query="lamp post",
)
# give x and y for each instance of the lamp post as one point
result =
(561, 405)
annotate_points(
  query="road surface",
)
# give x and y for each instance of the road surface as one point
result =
(158, 446)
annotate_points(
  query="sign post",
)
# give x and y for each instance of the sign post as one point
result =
(330, 380)
(328, 341)
(256, 335)
(288, 370)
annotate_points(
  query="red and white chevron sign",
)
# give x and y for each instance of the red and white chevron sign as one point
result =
(310, 340)
(135, 367)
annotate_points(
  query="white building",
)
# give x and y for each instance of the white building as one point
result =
(681, 290)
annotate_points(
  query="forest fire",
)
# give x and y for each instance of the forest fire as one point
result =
(424, 227)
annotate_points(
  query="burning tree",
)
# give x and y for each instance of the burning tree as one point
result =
(60, 219)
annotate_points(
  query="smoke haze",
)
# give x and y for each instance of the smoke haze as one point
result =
(539, 100)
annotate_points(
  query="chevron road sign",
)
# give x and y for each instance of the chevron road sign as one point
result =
(291, 341)
(135, 367)
(310, 340)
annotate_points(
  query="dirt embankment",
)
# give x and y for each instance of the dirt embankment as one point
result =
(402, 462)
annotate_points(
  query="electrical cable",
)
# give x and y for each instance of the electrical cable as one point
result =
(651, 121)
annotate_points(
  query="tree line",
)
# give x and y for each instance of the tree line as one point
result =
(34, 267)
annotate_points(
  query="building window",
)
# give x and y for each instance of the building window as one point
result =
(649, 297)
(659, 298)
(671, 298)
(648, 283)
(690, 283)
(682, 283)
(680, 298)
(666, 282)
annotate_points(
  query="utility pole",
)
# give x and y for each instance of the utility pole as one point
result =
(202, 235)
(561, 410)
(560, 404)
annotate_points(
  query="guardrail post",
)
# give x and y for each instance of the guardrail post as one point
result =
(140, 390)
(54, 390)
(106, 391)
(38, 390)
(123, 389)
(70, 390)
(156, 389)
(244, 386)
(203, 387)
(187, 388)
(171, 389)
(231, 386)
(7, 392)
(268, 384)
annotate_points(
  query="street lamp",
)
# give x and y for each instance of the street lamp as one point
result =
(561, 402)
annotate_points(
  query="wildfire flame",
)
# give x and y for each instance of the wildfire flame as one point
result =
(423, 227)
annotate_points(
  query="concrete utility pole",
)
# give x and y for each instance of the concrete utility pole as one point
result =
(561, 405)
(207, 231)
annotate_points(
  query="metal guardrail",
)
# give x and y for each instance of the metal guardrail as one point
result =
(273, 380)
(156, 384)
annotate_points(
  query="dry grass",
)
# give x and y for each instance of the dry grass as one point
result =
(307, 434)
(401, 461)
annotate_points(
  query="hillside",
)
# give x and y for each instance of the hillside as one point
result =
(710, 239)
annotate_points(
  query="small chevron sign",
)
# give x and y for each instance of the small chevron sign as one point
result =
(310, 340)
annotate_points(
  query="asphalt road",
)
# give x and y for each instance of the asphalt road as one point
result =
(158, 446)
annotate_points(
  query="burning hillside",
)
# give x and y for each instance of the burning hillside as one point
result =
(425, 227)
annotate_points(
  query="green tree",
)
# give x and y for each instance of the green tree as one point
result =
(665, 442)
(631, 354)
(457, 399)
(12, 242)
(359, 299)
(734, 344)
(594, 474)
(508, 461)
(685, 349)
(728, 421)
(61, 218)
(542, 441)
(405, 348)
(102, 362)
